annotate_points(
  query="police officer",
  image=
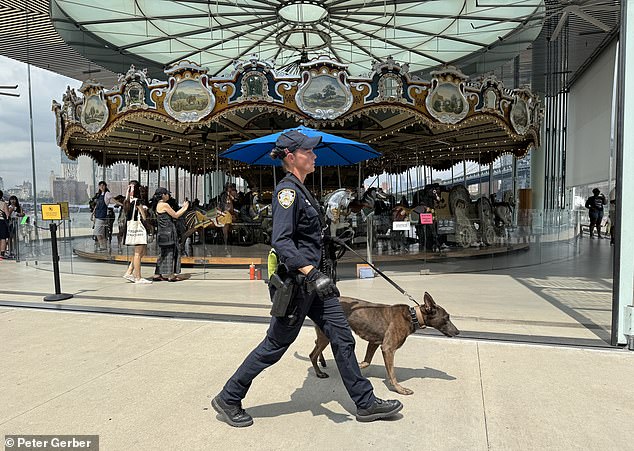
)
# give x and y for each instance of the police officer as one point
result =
(297, 239)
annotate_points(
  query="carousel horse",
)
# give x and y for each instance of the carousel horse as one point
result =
(342, 202)
(503, 213)
(220, 219)
(255, 213)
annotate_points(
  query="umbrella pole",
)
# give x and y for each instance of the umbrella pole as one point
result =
(321, 182)
(274, 178)
(339, 175)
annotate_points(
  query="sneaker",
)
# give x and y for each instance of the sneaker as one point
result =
(379, 409)
(142, 280)
(232, 414)
(129, 277)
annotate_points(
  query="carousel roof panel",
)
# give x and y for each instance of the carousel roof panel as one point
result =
(191, 118)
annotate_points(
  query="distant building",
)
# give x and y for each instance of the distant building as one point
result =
(71, 191)
(22, 192)
(69, 167)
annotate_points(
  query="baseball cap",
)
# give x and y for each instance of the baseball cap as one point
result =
(293, 140)
(161, 191)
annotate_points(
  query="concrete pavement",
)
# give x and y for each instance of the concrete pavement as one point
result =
(142, 381)
(145, 383)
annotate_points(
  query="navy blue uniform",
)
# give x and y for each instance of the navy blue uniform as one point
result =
(297, 239)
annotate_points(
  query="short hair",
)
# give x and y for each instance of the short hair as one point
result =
(596, 191)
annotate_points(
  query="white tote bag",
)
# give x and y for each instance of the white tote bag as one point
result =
(135, 232)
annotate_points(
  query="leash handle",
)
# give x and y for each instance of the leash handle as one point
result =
(394, 284)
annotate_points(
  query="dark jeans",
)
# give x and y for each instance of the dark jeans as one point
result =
(595, 221)
(329, 316)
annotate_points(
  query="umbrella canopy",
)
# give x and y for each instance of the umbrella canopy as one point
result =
(332, 151)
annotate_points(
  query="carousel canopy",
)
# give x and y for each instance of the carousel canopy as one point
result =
(188, 120)
(425, 34)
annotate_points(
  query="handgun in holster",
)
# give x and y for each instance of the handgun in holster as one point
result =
(285, 289)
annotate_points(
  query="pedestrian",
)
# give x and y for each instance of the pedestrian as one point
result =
(102, 199)
(15, 215)
(595, 204)
(297, 240)
(4, 226)
(135, 207)
(168, 265)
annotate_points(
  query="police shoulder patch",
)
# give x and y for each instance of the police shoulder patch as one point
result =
(286, 197)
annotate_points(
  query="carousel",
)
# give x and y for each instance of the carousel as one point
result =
(191, 119)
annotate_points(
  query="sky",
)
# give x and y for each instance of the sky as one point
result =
(15, 144)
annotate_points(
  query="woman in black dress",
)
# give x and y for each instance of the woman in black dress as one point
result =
(169, 262)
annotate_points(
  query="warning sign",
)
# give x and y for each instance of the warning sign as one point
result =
(51, 212)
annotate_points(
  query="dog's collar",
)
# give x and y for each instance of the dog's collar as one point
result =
(418, 324)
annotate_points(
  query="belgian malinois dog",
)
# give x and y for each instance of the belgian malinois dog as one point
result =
(387, 326)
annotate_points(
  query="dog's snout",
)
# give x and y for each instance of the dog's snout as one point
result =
(451, 330)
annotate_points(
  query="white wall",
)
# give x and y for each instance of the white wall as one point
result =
(589, 119)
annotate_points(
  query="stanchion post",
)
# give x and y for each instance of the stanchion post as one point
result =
(58, 296)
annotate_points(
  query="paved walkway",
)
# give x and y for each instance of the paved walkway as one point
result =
(144, 382)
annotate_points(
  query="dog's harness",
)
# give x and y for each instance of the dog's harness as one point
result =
(414, 316)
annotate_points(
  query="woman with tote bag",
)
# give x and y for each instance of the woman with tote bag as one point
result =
(136, 235)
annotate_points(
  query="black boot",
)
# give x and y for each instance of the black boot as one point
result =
(379, 409)
(232, 414)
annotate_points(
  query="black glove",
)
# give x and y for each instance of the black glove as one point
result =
(318, 282)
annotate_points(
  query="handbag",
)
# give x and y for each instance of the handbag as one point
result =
(135, 232)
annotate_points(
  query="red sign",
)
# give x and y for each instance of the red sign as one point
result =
(426, 218)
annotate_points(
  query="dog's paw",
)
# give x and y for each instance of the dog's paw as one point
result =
(364, 365)
(322, 375)
(403, 391)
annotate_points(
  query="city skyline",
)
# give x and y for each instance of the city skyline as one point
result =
(15, 138)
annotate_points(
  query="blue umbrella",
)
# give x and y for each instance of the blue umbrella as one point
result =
(332, 151)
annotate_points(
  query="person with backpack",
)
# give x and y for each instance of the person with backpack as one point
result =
(595, 204)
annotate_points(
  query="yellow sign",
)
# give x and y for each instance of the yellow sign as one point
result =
(64, 207)
(51, 212)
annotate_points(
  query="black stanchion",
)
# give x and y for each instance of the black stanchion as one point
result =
(58, 296)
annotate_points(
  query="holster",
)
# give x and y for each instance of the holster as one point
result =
(283, 296)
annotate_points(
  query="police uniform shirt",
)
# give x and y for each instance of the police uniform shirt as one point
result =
(296, 227)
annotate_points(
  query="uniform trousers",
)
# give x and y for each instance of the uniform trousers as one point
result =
(329, 316)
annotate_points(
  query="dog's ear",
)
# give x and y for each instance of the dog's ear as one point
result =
(430, 305)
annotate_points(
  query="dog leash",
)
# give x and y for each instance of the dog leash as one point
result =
(394, 284)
